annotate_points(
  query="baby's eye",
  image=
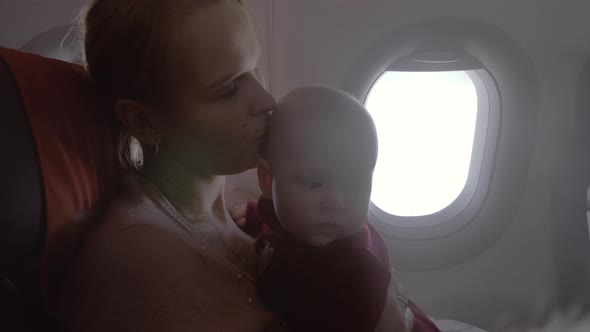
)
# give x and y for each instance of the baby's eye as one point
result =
(313, 185)
(310, 184)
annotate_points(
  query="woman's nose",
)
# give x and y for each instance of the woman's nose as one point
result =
(263, 101)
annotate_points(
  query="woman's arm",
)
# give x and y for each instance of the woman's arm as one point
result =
(396, 315)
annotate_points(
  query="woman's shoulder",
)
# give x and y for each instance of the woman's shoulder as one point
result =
(136, 232)
(139, 205)
(136, 227)
(142, 270)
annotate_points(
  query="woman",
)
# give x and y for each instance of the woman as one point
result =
(182, 78)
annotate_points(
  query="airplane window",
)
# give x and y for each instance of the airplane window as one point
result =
(426, 124)
(448, 96)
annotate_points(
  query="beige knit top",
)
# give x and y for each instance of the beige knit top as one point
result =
(147, 268)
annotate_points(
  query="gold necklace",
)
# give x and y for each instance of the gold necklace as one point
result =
(184, 223)
(214, 225)
(240, 274)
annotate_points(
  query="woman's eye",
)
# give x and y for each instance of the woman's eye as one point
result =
(229, 90)
(313, 184)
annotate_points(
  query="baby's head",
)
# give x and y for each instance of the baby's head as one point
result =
(318, 164)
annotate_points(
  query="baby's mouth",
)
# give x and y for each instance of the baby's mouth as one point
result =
(328, 227)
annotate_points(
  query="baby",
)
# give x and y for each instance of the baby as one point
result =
(321, 264)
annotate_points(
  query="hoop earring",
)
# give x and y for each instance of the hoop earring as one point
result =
(157, 147)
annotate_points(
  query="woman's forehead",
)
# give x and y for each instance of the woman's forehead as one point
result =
(218, 43)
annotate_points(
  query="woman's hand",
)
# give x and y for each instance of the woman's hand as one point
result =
(238, 215)
(265, 258)
(395, 314)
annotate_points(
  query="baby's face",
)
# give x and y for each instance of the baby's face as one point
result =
(322, 184)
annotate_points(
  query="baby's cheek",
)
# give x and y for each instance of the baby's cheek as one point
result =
(301, 225)
(289, 215)
(355, 222)
(361, 209)
(284, 200)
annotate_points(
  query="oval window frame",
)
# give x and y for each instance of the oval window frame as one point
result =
(513, 73)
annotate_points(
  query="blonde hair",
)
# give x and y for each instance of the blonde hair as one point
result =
(127, 52)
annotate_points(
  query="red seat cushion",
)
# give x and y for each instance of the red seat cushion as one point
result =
(76, 141)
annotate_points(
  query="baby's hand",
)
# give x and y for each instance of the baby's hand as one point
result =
(238, 214)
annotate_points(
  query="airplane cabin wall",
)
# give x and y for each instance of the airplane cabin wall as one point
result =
(538, 258)
(23, 20)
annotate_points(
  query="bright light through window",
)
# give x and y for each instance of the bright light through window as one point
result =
(426, 127)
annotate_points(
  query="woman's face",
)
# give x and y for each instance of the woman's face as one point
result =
(219, 109)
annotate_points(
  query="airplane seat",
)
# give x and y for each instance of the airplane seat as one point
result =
(21, 227)
(59, 167)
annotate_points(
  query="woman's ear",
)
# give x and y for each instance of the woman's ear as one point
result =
(265, 178)
(139, 119)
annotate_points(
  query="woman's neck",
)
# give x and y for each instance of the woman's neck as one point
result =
(192, 194)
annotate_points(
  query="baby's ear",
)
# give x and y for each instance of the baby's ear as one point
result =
(265, 178)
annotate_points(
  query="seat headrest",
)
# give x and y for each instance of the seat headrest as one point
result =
(76, 144)
(21, 200)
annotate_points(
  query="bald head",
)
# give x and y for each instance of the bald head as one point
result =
(320, 157)
(321, 121)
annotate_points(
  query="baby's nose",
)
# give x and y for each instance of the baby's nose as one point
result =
(335, 200)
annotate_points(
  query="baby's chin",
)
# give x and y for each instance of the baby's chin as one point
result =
(323, 238)
(320, 240)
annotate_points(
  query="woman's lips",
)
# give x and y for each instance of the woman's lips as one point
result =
(263, 137)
